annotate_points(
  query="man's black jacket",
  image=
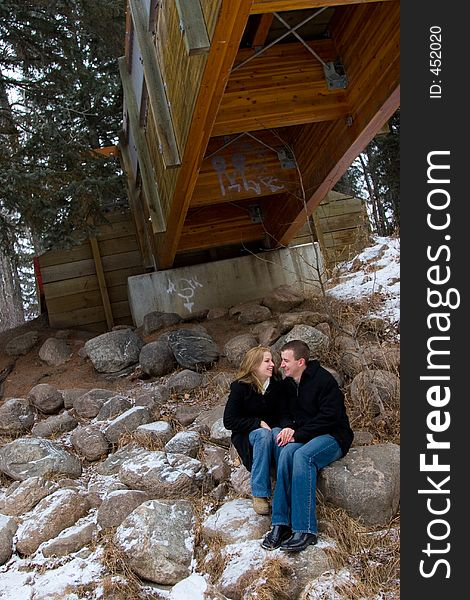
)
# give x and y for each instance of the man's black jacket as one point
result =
(316, 407)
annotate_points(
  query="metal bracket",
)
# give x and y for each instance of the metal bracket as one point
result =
(255, 213)
(286, 158)
(335, 75)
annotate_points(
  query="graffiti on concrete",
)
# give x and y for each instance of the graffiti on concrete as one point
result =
(184, 288)
(237, 180)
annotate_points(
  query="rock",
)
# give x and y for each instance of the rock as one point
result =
(46, 398)
(52, 515)
(55, 425)
(70, 540)
(193, 349)
(315, 339)
(22, 496)
(7, 531)
(251, 313)
(304, 317)
(217, 467)
(30, 457)
(219, 434)
(55, 351)
(195, 587)
(158, 541)
(126, 423)
(283, 299)
(184, 380)
(240, 479)
(90, 442)
(22, 344)
(154, 321)
(113, 407)
(184, 442)
(157, 433)
(90, 403)
(16, 416)
(71, 394)
(236, 348)
(266, 332)
(156, 358)
(376, 391)
(236, 521)
(366, 483)
(113, 351)
(217, 313)
(118, 505)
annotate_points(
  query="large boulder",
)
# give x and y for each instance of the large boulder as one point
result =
(193, 349)
(113, 351)
(366, 483)
(16, 416)
(30, 457)
(156, 358)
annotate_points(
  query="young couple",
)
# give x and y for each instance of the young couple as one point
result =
(300, 424)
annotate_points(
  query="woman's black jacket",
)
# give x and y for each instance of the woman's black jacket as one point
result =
(244, 411)
(316, 407)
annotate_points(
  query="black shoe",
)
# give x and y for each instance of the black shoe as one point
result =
(277, 535)
(299, 541)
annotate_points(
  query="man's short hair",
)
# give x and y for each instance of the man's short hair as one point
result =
(299, 348)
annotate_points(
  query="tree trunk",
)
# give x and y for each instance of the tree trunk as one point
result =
(11, 303)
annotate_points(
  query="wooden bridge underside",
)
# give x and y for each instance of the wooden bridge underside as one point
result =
(242, 155)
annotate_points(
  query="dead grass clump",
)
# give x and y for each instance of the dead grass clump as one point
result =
(272, 582)
(121, 578)
(371, 554)
(210, 558)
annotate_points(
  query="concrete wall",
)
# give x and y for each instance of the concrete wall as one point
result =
(224, 283)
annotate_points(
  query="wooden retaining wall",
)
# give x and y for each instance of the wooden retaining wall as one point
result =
(340, 225)
(86, 287)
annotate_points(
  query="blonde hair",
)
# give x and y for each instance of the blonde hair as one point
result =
(253, 359)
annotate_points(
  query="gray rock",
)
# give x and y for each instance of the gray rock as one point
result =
(156, 358)
(71, 394)
(30, 457)
(184, 380)
(157, 320)
(113, 351)
(117, 506)
(7, 531)
(46, 398)
(282, 299)
(90, 442)
(236, 521)
(22, 344)
(315, 339)
(127, 423)
(52, 515)
(157, 433)
(365, 483)
(90, 403)
(70, 540)
(236, 348)
(55, 351)
(113, 407)
(375, 391)
(157, 540)
(22, 496)
(54, 425)
(193, 349)
(184, 442)
(16, 416)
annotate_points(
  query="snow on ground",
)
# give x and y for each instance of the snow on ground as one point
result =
(375, 270)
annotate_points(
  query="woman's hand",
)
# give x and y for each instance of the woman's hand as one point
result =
(285, 436)
(264, 425)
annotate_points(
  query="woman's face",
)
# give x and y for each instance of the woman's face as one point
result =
(265, 369)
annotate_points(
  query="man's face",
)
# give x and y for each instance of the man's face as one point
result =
(291, 366)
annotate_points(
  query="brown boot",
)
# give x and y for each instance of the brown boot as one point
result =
(261, 505)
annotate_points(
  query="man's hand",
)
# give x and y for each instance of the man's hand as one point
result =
(285, 436)
(264, 425)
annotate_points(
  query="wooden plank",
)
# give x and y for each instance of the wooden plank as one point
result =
(243, 169)
(59, 257)
(117, 245)
(330, 223)
(146, 170)
(102, 282)
(80, 285)
(193, 26)
(284, 86)
(86, 316)
(267, 6)
(78, 268)
(224, 46)
(86, 299)
(122, 260)
(155, 85)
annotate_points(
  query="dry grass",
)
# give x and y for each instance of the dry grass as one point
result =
(121, 581)
(371, 554)
(271, 582)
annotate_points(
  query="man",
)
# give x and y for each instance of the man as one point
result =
(315, 434)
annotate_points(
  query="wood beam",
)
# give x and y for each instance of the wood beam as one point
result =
(324, 151)
(262, 30)
(270, 6)
(102, 282)
(223, 225)
(149, 182)
(155, 85)
(194, 27)
(244, 168)
(231, 23)
(284, 86)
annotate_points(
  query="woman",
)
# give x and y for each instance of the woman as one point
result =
(251, 413)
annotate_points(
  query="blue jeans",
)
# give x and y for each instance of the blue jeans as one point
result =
(294, 501)
(263, 443)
